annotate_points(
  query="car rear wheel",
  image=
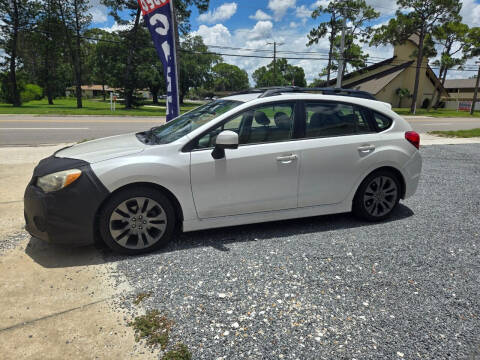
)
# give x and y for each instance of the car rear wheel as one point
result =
(137, 220)
(377, 196)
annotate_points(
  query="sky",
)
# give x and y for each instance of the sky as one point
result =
(252, 24)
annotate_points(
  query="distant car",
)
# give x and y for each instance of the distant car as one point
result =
(247, 158)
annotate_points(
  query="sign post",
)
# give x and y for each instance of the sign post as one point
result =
(158, 15)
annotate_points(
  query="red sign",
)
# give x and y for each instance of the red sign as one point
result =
(148, 6)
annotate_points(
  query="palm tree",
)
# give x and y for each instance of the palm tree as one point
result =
(401, 93)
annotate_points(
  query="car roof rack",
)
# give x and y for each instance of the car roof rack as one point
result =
(277, 90)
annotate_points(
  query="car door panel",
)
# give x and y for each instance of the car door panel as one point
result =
(330, 167)
(249, 179)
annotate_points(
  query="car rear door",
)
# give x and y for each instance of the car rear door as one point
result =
(337, 149)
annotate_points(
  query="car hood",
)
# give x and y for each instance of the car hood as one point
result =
(103, 149)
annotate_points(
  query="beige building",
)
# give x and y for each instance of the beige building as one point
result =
(383, 79)
(90, 91)
(461, 89)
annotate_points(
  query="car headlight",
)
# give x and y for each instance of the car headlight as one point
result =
(58, 180)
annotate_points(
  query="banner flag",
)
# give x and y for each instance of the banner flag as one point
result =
(158, 15)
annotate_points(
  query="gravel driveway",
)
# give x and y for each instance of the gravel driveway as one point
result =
(332, 286)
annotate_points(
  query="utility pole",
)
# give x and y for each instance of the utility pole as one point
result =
(274, 60)
(341, 61)
(476, 89)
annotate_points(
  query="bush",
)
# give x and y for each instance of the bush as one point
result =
(31, 92)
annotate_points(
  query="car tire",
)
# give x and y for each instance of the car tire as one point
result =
(377, 196)
(137, 220)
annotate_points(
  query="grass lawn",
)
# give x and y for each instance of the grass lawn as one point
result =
(458, 133)
(437, 113)
(90, 107)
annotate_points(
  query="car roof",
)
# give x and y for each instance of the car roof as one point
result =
(248, 97)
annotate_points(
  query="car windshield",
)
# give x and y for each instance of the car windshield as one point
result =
(186, 123)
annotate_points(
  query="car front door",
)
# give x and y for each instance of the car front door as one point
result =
(261, 175)
(339, 142)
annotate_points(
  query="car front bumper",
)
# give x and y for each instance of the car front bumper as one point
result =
(66, 216)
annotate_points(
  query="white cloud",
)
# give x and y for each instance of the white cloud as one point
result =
(471, 12)
(99, 12)
(260, 15)
(117, 27)
(261, 30)
(280, 7)
(214, 35)
(303, 12)
(222, 13)
(292, 35)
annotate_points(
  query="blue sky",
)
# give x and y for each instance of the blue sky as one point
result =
(253, 23)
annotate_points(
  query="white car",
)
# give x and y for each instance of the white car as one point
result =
(248, 158)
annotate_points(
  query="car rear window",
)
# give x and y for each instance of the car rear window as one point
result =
(383, 122)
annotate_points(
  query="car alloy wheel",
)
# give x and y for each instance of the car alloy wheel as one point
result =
(138, 223)
(380, 196)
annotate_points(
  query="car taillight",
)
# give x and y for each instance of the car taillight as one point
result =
(413, 138)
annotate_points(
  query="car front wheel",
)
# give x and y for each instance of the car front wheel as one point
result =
(377, 196)
(137, 220)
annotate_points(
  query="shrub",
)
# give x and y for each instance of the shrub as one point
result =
(31, 92)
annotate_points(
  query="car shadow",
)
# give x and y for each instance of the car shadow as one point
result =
(55, 256)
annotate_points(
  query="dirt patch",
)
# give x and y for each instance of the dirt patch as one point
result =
(56, 303)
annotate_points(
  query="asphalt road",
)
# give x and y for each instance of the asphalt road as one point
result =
(35, 130)
(331, 287)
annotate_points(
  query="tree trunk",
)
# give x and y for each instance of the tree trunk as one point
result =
(128, 70)
(13, 57)
(155, 97)
(78, 60)
(443, 78)
(413, 107)
(103, 90)
(48, 52)
(330, 50)
(436, 92)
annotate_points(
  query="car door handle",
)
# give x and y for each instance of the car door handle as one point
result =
(287, 159)
(366, 148)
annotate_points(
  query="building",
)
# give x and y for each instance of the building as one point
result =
(90, 91)
(459, 91)
(384, 78)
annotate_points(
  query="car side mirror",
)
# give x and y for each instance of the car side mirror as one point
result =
(225, 140)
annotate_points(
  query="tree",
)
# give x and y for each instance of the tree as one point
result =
(359, 15)
(452, 36)
(182, 11)
(423, 18)
(195, 65)
(104, 58)
(286, 74)
(16, 16)
(42, 52)
(75, 19)
(227, 77)
(402, 93)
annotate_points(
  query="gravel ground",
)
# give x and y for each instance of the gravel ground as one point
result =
(332, 286)
(11, 241)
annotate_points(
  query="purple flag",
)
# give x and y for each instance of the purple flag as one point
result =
(158, 15)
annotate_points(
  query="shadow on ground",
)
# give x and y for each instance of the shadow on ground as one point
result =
(54, 256)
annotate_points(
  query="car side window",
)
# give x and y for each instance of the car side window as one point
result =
(383, 122)
(326, 119)
(261, 124)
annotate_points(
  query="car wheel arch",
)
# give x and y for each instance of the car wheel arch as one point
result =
(176, 204)
(395, 171)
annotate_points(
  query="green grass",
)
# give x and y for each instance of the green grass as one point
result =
(179, 352)
(68, 106)
(458, 133)
(141, 296)
(437, 113)
(152, 327)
